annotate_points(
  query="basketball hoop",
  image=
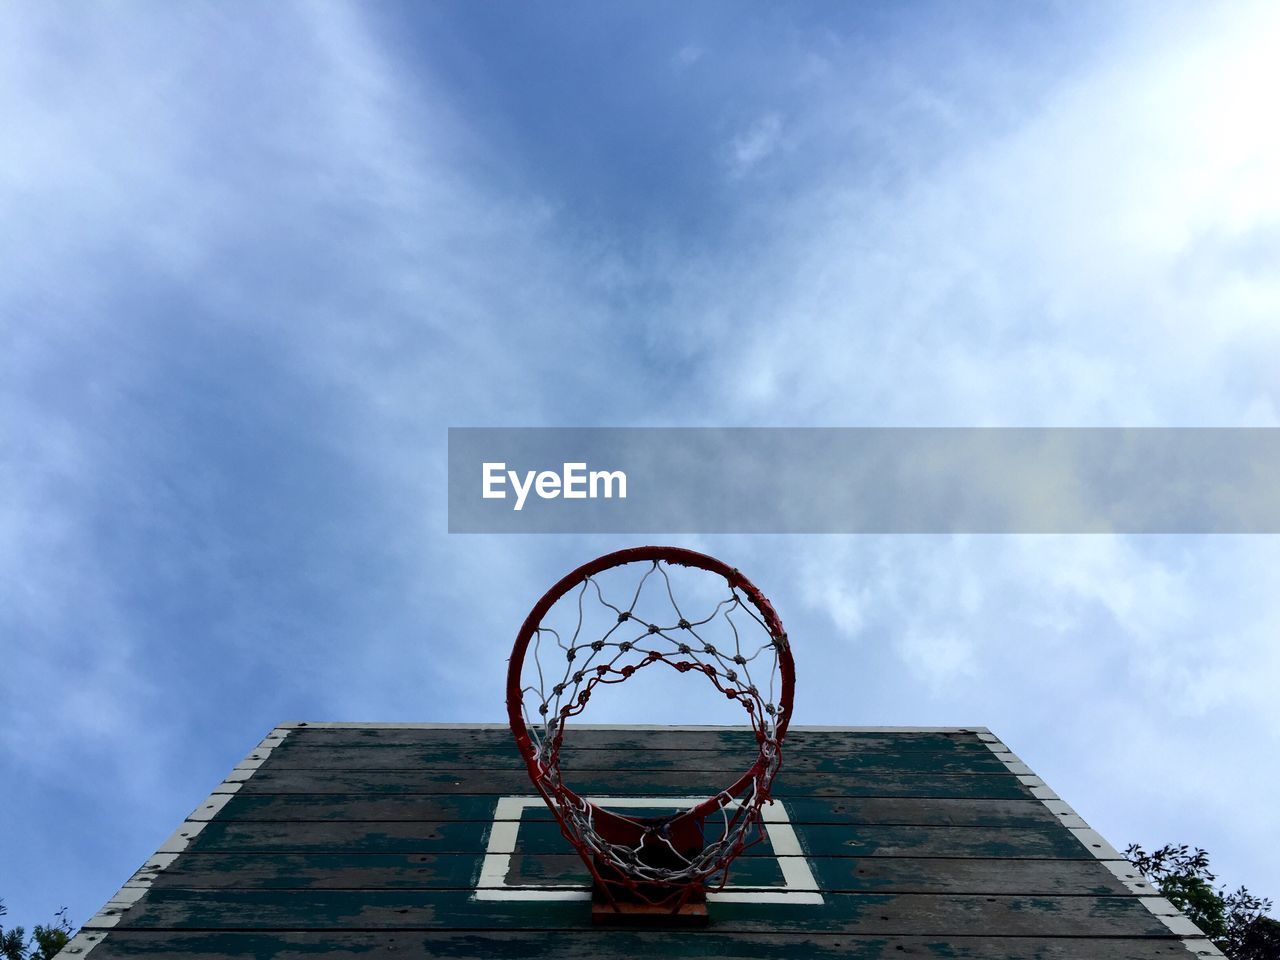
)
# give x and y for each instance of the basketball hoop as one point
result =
(664, 865)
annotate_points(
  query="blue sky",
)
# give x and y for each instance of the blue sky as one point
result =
(256, 263)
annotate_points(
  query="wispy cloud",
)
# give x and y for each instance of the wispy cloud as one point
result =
(249, 292)
(688, 55)
(1094, 261)
(756, 143)
(256, 265)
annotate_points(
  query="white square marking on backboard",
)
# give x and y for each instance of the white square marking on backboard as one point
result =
(798, 883)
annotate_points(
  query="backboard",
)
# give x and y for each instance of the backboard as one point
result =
(406, 840)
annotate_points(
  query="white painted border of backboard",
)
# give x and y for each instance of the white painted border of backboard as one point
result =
(614, 727)
(1189, 935)
(798, 887)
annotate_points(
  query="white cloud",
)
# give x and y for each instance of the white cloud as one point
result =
(688, 55)
(755, 144)
(1097, 261)
(1136, 674)
(269, 187)
(940, 659)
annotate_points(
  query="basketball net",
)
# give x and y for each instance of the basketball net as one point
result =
(729, 634)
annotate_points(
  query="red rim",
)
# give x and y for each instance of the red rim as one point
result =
(672, 555)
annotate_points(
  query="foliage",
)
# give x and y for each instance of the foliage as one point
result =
(1236, 922)
(1261, 940)
(45, 943)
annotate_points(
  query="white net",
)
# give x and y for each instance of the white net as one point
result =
(606, 629)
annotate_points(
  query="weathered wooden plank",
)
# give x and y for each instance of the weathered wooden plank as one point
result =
(506, 749)
(1048, 841)
(377, 871)
(329, 871)
(919, 811)
(867, 914)
(628, 740)
(542, 836)
(579, 944)
(729, 762)
(893, 811)
(346, 807)
(453, 836)
(320, 871)
(965, 876)
(629, 783)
